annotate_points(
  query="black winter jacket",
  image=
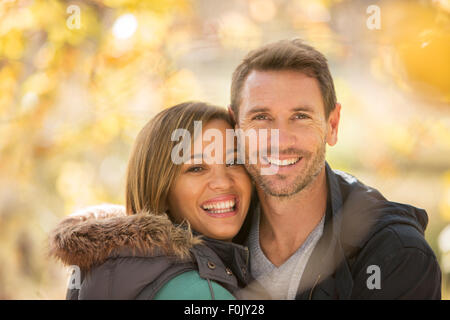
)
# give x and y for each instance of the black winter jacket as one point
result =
(366, 236)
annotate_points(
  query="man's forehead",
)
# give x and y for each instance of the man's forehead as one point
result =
(264, 89)
(259, 77)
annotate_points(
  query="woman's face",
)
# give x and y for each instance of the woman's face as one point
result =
(213, 196)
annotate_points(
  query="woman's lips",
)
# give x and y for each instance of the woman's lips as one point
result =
(221, 206)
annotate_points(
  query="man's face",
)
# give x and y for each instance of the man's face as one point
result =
(291, 102)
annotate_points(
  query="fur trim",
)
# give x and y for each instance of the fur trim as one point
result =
(89, 242)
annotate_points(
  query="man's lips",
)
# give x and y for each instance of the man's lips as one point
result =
(281, 161)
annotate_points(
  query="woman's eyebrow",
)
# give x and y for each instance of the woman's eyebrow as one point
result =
(231, 151)
(197, 156)
(200, 156)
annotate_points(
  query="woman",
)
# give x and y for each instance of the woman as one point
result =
(150, 253)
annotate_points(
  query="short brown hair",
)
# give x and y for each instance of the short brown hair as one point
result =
(285, 55)
(151, 172)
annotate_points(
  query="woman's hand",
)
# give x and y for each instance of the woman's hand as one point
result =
(102, 211)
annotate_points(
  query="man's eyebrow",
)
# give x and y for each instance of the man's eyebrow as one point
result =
(305, 107)
(300, 108)
(258, 109)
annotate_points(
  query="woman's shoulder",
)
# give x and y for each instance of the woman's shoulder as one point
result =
(118, 255)
(190, 286)
(125, 277)
(91, 242)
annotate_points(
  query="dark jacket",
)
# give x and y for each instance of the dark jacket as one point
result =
(132, 257)
(363, 229)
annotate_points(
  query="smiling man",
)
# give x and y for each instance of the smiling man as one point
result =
(316, 233)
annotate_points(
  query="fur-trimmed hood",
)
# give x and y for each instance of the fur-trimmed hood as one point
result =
(88, 241)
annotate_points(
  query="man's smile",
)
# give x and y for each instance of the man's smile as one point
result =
(283, 162)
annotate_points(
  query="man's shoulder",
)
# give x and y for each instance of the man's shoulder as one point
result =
(404, 262)
(387, 228)
(394, 239)
(370, 220)
(408, 237)
(350, 184)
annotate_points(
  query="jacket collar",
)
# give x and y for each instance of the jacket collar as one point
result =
(224, 261)
(327, 268)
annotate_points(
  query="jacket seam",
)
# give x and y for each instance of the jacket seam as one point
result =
(404, 246)
(391, 255)
(110, 280)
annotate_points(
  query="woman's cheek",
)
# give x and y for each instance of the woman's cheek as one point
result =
(243, 181)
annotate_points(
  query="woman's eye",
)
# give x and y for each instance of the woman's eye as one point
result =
(195, 169)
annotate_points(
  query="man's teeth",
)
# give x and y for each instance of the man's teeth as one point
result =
(284, 162)
(220, 206)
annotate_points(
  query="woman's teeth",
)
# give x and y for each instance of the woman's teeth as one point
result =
(284, 162)
(220, 206)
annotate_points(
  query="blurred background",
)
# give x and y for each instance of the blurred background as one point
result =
(79, 79)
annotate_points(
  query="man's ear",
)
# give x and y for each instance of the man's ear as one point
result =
(232, 116)
(333, 125)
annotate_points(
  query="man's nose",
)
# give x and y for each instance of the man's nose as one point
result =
(286, 136)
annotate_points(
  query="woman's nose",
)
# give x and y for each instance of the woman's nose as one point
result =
(220, 180)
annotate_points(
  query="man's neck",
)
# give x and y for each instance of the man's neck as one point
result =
(285, 223)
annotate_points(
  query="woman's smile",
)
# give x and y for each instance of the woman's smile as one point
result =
(222, 206)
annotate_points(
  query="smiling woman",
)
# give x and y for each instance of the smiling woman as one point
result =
(213, 197)
(150, 253)
(152, 175)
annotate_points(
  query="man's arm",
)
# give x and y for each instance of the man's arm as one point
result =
(409, 274)
(406, 266)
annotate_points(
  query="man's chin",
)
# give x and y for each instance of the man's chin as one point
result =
(281, 188)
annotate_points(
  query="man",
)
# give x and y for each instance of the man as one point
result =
(318, 233)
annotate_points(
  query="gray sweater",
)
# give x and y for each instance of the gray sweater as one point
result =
(281, 282)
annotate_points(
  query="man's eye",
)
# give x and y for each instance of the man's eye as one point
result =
(301, 116)
(260, 117)
(195, 169)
